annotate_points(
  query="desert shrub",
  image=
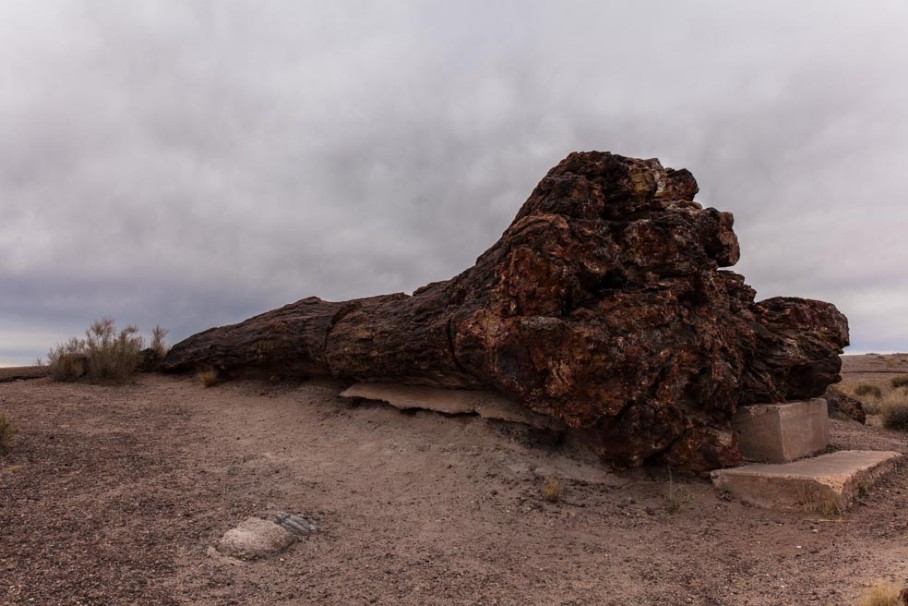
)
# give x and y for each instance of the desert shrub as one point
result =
(105, 355)
(551, 489)
(157, 341)
(894, 411)
(872, 407)
(900, 381)
(7, 431)
(881, 594)
(112, 356)
(868, 390)
(209, 378)
(67, 361)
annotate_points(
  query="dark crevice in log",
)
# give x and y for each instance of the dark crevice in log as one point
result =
(449, 332)
(337, 317)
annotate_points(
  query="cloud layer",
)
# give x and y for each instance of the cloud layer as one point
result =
(191, 164)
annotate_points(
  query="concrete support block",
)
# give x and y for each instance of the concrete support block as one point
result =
(826, 484)
(778, 433)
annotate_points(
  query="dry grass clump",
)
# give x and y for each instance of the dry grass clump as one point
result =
(7, 431)
(815, 501)
(209, 378)
(894, 411)
(551, 489)
(677, 497)
(900, 381)
(105, 355)
(881, 594)
(865, 389)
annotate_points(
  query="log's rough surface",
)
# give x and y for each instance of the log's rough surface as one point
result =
(602, 306)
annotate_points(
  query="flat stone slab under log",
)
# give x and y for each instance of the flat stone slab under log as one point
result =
(779, 433)
(825, 484)
(486, 404)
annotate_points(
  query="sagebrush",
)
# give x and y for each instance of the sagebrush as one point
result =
(105, 355)
(894, 411)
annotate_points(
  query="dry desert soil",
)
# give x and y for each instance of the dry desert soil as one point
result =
(117, 495)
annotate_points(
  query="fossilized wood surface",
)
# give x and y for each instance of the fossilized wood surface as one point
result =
(603, 306)
(843, 406)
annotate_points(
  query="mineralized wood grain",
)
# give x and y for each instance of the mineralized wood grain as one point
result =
(603, 305)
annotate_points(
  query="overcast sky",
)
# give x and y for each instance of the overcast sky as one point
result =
(191, 164)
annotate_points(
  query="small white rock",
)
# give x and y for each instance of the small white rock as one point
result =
(255, 538)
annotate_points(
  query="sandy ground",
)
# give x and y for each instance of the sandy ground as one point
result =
(115, 495)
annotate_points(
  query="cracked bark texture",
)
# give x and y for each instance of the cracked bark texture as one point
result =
(603, 305)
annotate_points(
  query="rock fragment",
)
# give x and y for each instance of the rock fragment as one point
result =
(255, 538)
(295, 523)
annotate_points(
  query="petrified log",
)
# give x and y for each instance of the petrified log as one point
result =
(841, 405)
(602, 306)
(23, 373)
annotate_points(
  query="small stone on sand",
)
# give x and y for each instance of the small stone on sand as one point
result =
(255, 538)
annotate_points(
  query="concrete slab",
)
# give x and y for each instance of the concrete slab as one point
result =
(826, 484)
(779, 433)
(486, 404)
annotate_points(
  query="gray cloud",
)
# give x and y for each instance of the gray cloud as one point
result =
(191, 164)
